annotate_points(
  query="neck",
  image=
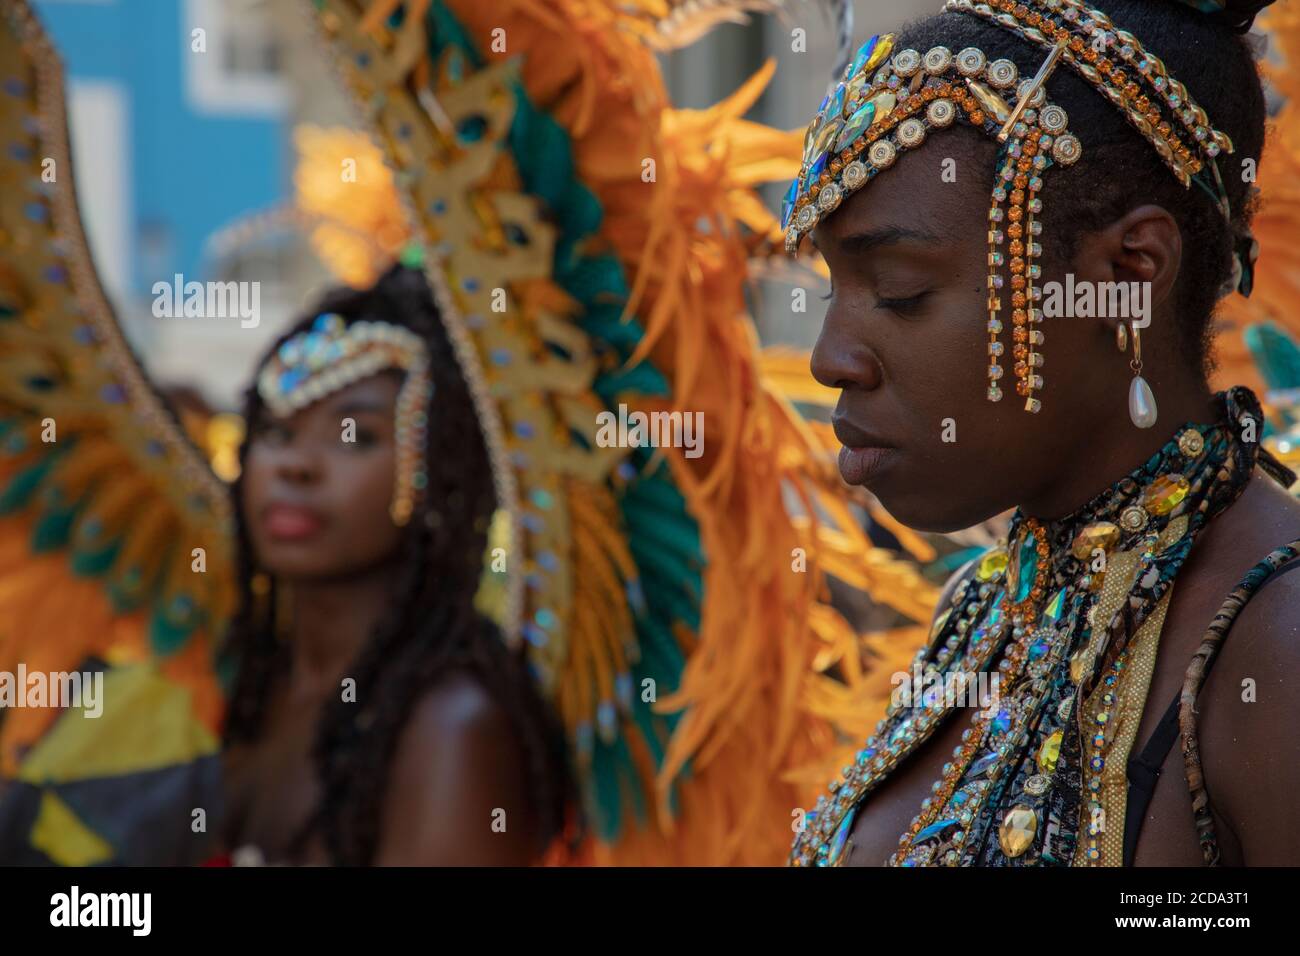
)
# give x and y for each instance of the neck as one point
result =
(1117, 448)
(331, 622)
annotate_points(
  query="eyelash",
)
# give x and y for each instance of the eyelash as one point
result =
(902, 306)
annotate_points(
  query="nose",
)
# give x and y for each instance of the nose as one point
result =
(297, 465)
(842, 359)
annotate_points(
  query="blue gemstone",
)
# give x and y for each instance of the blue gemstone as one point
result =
(500, 357)
(787, 203)
(814, 171)
(841, 836)
(56, 274)
(524, 429)
(547, 560)
(858, 123)
(1001, 724)
(981, 765)
(531, 523)
(542, 499)
(534, 634)
(635, 595)
(113, 393)
(1038, 650)
(36, 211)
(546, 618)
(934, 829)
(863, 55)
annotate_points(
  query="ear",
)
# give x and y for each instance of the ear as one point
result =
(1144, 245)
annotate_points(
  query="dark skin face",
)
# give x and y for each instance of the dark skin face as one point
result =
(905, 342)
(316, 506)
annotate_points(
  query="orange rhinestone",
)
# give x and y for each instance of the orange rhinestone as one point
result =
(1017, 197)
(1015, 230)
(1090, 55)
(1024, 165)
(1018, 300)
(1131, 90)
(1017, 265)
(1020, 351)
(1164, 128)
(1119, 78)
(1143, 104)
(1104, 66)
(1076, 45)
(1021, 181)
(1020, 334)
(977, 117)
(1021, 369)
(1015, 213)
(1022, 388)
(1017, 248)
(1017, 282)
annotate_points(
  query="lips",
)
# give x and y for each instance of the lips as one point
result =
(288, 522)
(864, 456)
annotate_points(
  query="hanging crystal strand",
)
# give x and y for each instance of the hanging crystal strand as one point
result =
(1033, 252)
(996, 239)
(1024, 147)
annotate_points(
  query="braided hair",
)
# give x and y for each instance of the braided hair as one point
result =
(1119, 169)
(431, 627)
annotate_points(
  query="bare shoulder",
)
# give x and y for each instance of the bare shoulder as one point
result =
(458, 773)
(1250, 706)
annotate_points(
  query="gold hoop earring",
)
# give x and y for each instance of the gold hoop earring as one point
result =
(1141, 400)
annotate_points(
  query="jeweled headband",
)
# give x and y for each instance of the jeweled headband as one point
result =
(890, 101)
(332, 355)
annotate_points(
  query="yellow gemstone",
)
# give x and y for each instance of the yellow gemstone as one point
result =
(1101, 534)
(1164, 494)
(992, 564)
(1077, 664)
(1016, 832)
(1049, 753)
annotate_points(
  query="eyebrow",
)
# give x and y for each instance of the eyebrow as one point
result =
(862, 242)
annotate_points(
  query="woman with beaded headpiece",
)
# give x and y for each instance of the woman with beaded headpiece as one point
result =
(672, 611)
(1046, 346)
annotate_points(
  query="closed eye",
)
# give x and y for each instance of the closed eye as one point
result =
(902, 306)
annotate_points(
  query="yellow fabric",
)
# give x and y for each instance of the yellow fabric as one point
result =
(147, 718)
(60, 835)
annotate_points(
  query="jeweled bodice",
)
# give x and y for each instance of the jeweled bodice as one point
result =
(1046, 650)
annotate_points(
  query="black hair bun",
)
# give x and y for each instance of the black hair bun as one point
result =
(1237, 15)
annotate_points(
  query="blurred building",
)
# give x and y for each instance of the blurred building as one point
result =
(181, 115)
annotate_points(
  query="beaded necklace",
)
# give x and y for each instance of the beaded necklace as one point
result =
(1066, 617)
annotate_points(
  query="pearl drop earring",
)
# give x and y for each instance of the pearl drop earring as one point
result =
(1141, 400)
